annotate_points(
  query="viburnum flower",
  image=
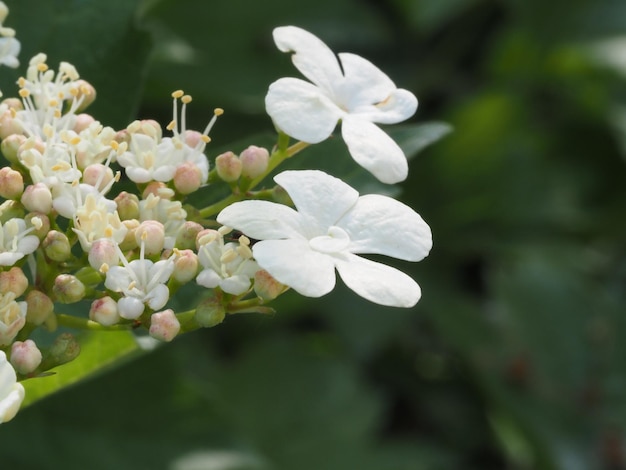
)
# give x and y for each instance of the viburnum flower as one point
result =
(350, 89)
(11, 391)
(15, 241)
(330, 228)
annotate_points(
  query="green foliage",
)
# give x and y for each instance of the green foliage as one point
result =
(513, 358)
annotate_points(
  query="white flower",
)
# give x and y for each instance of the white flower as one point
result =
(144, 162)
(15, 241)
(355, 92)
(331, 226)
(11, 391)
(12, 317)
(94, 220)
(170, 213)
(226, 265)
(9, 50)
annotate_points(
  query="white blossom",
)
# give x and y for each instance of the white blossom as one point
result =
(11, 391)
(12, 317)
(352, 90)
(16, 241)
(330, 228)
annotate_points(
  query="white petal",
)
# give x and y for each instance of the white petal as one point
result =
(301, 110)
(364, 83)
(10, 403)
(293, 263)
(138, 175)
(208, 278)
(374, 150)
(158, 297)
(130, 308)
(380, 224)
(378, 282)
(117, 279)
(7, 375)
(263, 220)
(312, 57)
(164, 173)
(9, 258)
(397, 107)
(319, 197)
(27, 244)
(235, 285)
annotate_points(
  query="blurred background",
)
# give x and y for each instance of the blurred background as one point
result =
(513, 359)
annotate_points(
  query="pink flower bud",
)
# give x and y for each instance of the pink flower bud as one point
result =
(11, 183)
(14, 281)
(25, 356)
(86, 92)
(155, 188)
(98, 175)
(127, 205)
(188, 178)
(164, 325)
(266, 287)
(68, 289)
(9, 125)
(103, 251)
(10, 147)
(104, 311)
(254, 160)
(39, 307)
(56, 246)
(82, 122)
(37, 198)
(228, 167)
(193, 138)
(186, 238)
(152, 233)
(185, 266)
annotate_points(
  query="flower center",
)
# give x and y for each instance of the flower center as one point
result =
(335, 241)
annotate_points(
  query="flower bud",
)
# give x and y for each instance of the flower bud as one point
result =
(228, 167)
(82, 122)
(10, 147)
(254, 161)
(13, 103)
(37, 198)
(11, 210)
(38, 307)
(14, 281)
(56, 246)
(64, 349)
(164, 325)
(98, 175)
(103, 251)
(152, 233)
(68, 289)
(9, 125)
(12, 318)
(156, 188)
(86, 92)
(266, 287)
(11, 183)
(104, 311)
(185, 266)
(25, 356)
(127, 205)
(210, 312)
(194, 138)
(186, 237)
(129, 242)
(187, 178)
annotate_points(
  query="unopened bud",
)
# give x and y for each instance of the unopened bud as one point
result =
(104, 311)
(25, 356)
(68, 289)
(11, 183)
(156, 189)
(82, 122)
(10, 147)
(103, 251)
(266, 286)
(164, 325)
(186, 237)
(152, 233)
(86, 92)
(12, 318)
(37, 198)
(98, 175)
(14, 281)
(254, 160)
(228, 167)
(64, 349)
(38, 307)
(9, 125)
(193, 138)
(129, 242)
(127, 205)
(56, 246)
(185, 266)
(210, 312)
(187, 178)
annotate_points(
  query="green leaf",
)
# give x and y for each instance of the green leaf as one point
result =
(99, 350)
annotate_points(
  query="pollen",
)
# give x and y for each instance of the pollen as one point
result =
(178, 94)
(186, 99)
(218, 111)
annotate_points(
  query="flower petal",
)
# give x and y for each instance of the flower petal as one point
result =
(319, 197)
(374, 150)
(397, 107)
(301, 110)
(263, 220)
(314, 59)
(364, 83)
(381, 225)
(378, 282)
(293, 263)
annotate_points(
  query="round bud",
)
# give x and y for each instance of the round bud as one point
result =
(164, 325)
(82, 122)
(104, 311)
(98, 175)
(152, 233)
(266, 287)
(187, 178)
(127, 205)
(254, 161)
(11, 183)
(37, 198)
(39, 307)
(11, 145)
(68, 289)
(210, 312)
(185, 266)
(103, 251)
(14, 281)
(228, 167)
(186, 237)
(56, 246)
(25, 356)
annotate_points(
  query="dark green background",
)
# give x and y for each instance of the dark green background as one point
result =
(513, 359)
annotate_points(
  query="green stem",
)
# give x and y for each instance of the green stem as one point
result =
(84, 324)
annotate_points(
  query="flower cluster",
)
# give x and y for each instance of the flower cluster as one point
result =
(68, 234)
